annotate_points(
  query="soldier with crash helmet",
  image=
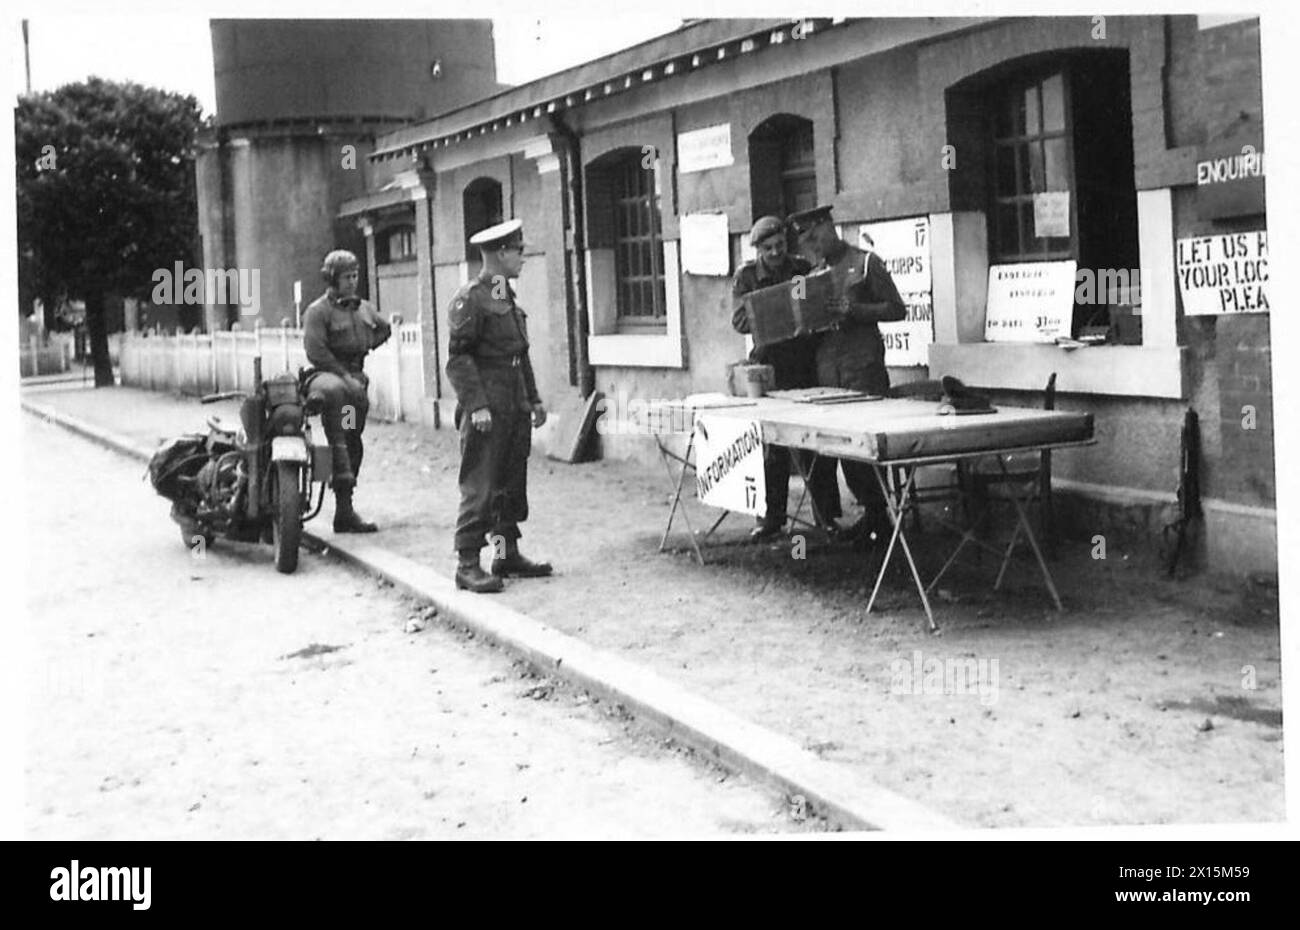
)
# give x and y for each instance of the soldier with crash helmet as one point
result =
(339, 329)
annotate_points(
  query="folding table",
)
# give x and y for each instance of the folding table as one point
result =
(902, 434)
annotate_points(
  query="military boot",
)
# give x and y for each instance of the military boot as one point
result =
(471, 577)
(347, 520)
(513, 563)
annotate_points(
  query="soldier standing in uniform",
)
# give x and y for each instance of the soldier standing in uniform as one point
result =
(853, 355)
(338, 329)
(496, 407)
(794, 363)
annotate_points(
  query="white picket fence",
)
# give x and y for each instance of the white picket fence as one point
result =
(50, 355)
(204, 363)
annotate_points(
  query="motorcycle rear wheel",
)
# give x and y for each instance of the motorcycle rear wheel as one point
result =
(287, 526)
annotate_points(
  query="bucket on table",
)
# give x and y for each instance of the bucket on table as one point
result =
(757, 379)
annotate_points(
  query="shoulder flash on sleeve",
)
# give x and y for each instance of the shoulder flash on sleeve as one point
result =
(464, 294)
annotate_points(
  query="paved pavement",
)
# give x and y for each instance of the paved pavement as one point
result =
(78, 376)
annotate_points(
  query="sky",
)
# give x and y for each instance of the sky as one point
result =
(148, 41)
(174, 51)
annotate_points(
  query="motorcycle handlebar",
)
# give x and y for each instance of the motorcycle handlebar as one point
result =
(223, 395)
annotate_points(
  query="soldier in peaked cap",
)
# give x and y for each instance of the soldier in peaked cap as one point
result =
(853, 355)
(794, 363)
(338, 330)
(496, 407)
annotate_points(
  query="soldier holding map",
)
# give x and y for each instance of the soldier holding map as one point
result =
(794, 362)
(853, 354)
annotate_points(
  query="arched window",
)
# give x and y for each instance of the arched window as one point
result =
(1050, 148)
(623, 216)
(1059, 126)
(782, 166)
(482, 207)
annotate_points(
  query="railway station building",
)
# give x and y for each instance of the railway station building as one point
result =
(970, 153)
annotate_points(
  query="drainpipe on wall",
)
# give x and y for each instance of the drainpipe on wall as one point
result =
(576, 256)
(424, 211)
(221, 315)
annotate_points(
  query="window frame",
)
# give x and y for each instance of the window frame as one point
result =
(405, 230)
(772, 177)
(636, 234)
(791, 175)
(1003, 94)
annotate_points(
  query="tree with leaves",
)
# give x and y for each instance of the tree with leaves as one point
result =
(106, 195)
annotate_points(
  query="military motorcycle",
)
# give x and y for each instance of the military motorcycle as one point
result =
(249, 481)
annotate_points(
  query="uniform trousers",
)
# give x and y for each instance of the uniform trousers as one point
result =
(493, 477)
(794, 366)
(846, 363)
(343, 414)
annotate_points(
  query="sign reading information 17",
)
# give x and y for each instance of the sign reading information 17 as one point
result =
(729, 464)
(1224, 274)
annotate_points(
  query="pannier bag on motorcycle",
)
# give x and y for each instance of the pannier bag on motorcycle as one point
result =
(175, 465)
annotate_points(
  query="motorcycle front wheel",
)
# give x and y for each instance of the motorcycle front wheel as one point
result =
(287, 527)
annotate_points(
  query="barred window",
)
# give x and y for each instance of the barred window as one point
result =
(638, 254)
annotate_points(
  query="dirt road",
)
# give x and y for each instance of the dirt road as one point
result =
(175, 694)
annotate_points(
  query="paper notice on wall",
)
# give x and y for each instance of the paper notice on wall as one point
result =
(904, 247)
(729, 464)
(1030, 302)
(706, 248)
(1052, 214)
(1224, 274)
(702, 149)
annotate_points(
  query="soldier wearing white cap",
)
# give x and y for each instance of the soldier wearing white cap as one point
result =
(853, 354)
(497, 405)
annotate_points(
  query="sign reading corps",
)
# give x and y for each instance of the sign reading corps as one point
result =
(904, 246)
